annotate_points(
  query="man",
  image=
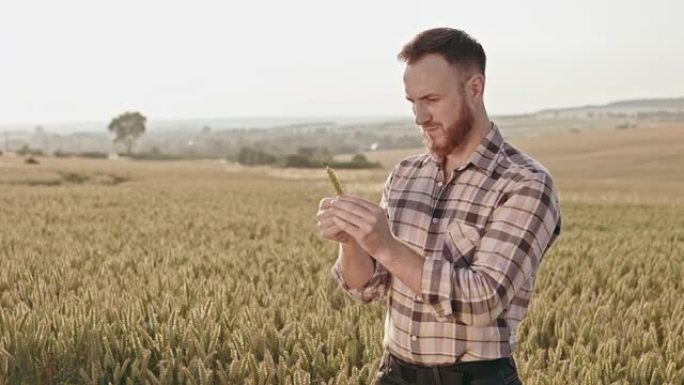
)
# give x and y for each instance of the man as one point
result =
(459, 234)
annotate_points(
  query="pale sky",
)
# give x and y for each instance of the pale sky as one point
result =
(91, 60)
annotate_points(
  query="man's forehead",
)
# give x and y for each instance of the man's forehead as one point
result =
(430, 73)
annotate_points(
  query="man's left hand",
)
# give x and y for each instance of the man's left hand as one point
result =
(365, 221)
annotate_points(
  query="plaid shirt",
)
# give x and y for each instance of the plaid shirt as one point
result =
(483, 234)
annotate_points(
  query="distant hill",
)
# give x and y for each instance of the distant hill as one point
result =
(618, 109)
(630, 107)
(663, 103)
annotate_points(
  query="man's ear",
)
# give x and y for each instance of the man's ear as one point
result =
(474, 87)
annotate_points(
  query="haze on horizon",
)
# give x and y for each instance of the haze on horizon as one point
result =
(79, 61)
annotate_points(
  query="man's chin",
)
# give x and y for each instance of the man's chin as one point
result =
(437, 150)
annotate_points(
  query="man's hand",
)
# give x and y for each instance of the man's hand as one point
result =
(327, 227)
(367, 224)
(364, 221)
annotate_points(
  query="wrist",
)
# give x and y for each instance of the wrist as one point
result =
(351, 247)
(389, 250)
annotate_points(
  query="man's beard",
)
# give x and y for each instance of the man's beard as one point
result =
(453, 135)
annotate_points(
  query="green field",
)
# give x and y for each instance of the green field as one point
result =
(206, 272)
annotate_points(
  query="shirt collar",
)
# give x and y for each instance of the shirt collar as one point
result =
(484, 156)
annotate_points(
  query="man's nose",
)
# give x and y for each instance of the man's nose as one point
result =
(423, 116)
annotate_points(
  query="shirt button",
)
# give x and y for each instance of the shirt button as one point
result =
(435, 220)
(413, 338)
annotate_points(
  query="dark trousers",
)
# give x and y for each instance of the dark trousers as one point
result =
(502, 371)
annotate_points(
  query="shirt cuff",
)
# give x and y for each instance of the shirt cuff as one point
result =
(365, 294)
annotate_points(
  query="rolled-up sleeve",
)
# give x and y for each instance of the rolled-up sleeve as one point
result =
(520, 231)
(377, 286)
(375, 289)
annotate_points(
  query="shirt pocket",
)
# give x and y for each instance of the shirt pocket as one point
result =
(461, 241)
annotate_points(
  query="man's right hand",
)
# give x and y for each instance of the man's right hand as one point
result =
(326, 225)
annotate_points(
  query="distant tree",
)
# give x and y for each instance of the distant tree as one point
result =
(253, 157)
(206, 130)
(27, 150)
(24, 150)
(359, 158)
(127, 128)
(307, 152)
(298, 160)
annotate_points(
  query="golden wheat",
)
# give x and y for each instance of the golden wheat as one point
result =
(333, 179)
(183, 275)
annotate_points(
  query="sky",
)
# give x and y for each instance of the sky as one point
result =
(83, 60)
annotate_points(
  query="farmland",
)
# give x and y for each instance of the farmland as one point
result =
(207, 272)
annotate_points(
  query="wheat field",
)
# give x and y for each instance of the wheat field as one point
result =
(205, 272)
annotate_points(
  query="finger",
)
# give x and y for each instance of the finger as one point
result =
(325, 214)
(368, 205)
(351, 208)
(354, 214)
(326, 202)
(347, 227)
(353, 219)
(332, 232)
(327, 224)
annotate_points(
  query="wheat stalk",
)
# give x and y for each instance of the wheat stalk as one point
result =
(333, 180)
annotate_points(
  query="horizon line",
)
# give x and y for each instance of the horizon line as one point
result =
(57, 122)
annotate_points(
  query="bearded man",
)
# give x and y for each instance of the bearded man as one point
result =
(459, 233)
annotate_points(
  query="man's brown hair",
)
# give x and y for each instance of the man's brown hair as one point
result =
(455, 46)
